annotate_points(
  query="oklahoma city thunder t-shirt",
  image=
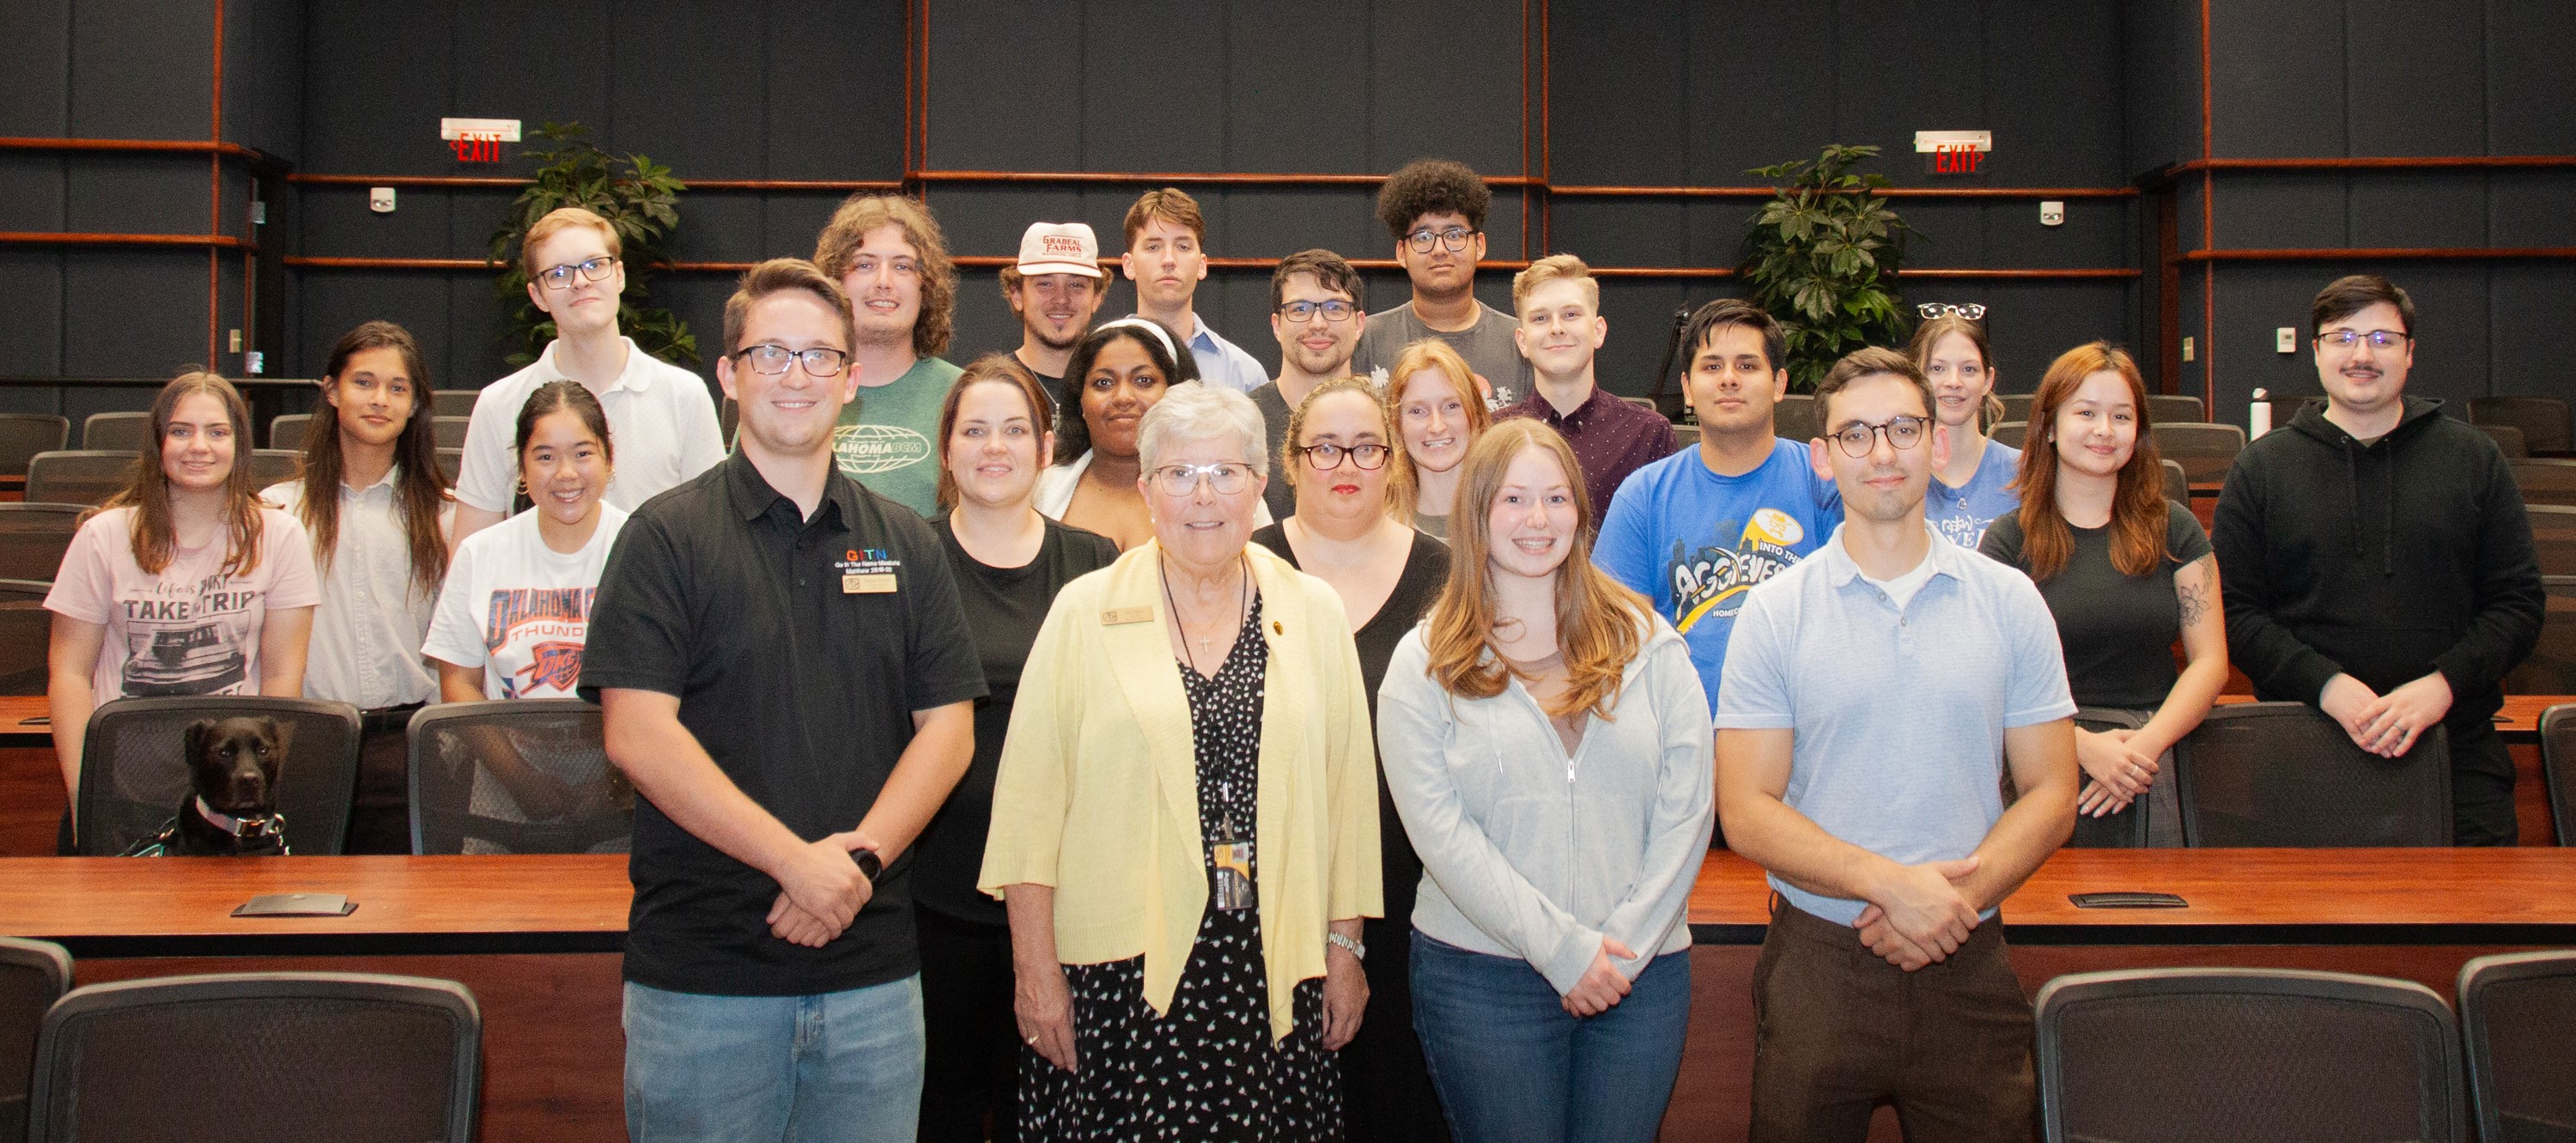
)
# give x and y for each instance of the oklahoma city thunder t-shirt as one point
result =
(1695, 542)
(887, 439)
(519, 609)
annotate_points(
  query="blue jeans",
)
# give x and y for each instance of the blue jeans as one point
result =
(1511, 1066)
(841, 1066)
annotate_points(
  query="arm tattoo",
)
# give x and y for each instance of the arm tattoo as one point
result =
(2195, 603)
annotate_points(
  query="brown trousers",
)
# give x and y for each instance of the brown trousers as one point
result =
(1838, 1031)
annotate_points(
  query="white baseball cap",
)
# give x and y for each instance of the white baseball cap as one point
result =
(1060, 248)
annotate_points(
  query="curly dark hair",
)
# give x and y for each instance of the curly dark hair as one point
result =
(1072, 433)
(1431, 186)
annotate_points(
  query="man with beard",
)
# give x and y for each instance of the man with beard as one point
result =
(1435, 209)
(886, 252)
(1315, 312)
(2377, 561)
(1054, 289)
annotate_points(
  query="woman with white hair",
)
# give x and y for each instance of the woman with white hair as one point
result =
(1185, 819)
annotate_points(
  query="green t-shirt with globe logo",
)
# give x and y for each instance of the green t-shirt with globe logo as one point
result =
(888, 438)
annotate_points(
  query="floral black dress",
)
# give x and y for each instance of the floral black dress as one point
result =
(1208, 1070)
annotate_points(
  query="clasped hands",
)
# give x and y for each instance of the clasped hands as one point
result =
(1918, 916)
(820, 890)
(2386, 725)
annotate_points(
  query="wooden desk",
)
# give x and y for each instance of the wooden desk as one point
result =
(15, 727)
(516, 929)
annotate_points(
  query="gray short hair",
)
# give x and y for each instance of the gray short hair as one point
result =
(1195, 411)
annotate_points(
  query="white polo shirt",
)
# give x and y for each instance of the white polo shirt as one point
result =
(661, 427)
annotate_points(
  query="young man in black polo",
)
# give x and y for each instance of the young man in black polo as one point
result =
(788, 680)
(2376, 561)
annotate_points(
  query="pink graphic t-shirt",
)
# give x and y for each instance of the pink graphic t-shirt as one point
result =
(193, 629)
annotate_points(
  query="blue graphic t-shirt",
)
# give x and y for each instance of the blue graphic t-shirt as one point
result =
(1961, 514)
(1694, 542)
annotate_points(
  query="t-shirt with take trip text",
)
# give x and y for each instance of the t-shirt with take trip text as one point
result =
(885, 440)
(192, 629)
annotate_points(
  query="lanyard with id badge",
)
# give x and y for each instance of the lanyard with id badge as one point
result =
(1229, 853)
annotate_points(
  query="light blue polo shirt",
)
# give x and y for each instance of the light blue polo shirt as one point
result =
(1898, 715)
(1222, 363)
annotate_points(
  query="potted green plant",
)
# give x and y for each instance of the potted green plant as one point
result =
(637, 196)
(1822, 257)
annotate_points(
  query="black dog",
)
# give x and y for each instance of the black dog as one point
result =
(231, 809)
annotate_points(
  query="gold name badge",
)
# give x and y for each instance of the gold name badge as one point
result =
(867, 583)
(1118, 615)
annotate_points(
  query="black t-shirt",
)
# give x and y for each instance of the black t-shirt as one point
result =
(2118, 631)
(1004, 608)
(1426, 569)
(799, 651)
(1281, 498)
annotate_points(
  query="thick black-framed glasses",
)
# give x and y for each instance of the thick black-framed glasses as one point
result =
(1336, 311)
(592, 269)
(1454, 238)
(1326, 457)
(1903, 433)
(772, 360)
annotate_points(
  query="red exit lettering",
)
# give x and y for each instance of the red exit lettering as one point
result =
(1956, 159)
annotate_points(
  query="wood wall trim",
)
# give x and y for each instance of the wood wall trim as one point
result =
(2411, 253)
(81, 238)
(142, 147)
(989, 261)
(2384, 163)
(1229, 178)
(1587, 191)
(501, 181)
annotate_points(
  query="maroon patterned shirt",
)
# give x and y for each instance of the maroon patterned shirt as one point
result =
(1611, 439)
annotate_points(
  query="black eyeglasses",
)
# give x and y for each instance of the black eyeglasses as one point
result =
(1335, 311)
(772, 360)
(2378, 338)
(560, 277)
(1454, 238)
(1325, 457)
(1903, 433)
(1971, 311)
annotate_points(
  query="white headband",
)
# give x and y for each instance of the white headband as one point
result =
(1149, 326)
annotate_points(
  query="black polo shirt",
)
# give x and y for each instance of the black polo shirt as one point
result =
(799, 650)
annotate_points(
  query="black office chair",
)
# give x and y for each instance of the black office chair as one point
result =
(1685, 437)
(2204, 450)
(2553, 537)
(33, 974)
(288, 431)
(453, 402)
(2280, 1055)
(134, 772)
(33, 537)
(2174, 408)
(2127, 828)
(2545, 480)
(2284, 774)
(2515, 1014)
(2558, 768)
(26, 634)
(2509, 439)
(2008, 433)
(2177, 483)
(117, 432)
(2551, 667)
(259, 1057)
(23, 435)
(78, 476)
(516, 776)
(450, 431)
(2543, 420)
(1795, 417)
(271, 465)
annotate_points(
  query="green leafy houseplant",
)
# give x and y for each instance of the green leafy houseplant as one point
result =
(637, 196)
(1822, 257)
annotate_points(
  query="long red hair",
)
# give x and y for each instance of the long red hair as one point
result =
(2138, 507)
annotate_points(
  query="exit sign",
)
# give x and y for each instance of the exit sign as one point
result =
(478, 140)
(1954, 152)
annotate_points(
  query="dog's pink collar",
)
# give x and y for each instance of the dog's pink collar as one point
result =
(255, 826)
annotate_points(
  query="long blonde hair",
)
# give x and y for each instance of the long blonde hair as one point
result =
(147, 486)
(1402, 490)
(1600, 624)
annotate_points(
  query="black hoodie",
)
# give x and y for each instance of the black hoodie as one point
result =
(2384, 561)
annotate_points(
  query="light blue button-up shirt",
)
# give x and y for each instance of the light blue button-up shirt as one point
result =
(1898, 713)
(1223, 363)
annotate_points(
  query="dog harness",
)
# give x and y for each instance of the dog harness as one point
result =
(258, 833)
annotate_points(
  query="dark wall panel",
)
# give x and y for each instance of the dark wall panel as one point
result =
(31, 295)
(2416, 73)
(835, 90)
(35, 67)
(1447, 81)
(104, 290)
(264, 75)
(141, 70)
(2277, 78)
(2528, 111)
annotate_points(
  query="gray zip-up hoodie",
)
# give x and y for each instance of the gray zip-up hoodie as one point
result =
(1531, 853)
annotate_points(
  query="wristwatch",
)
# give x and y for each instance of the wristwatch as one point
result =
(869, 865)
(1352, 945)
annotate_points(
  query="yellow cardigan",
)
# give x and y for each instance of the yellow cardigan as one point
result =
(1097, 791)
